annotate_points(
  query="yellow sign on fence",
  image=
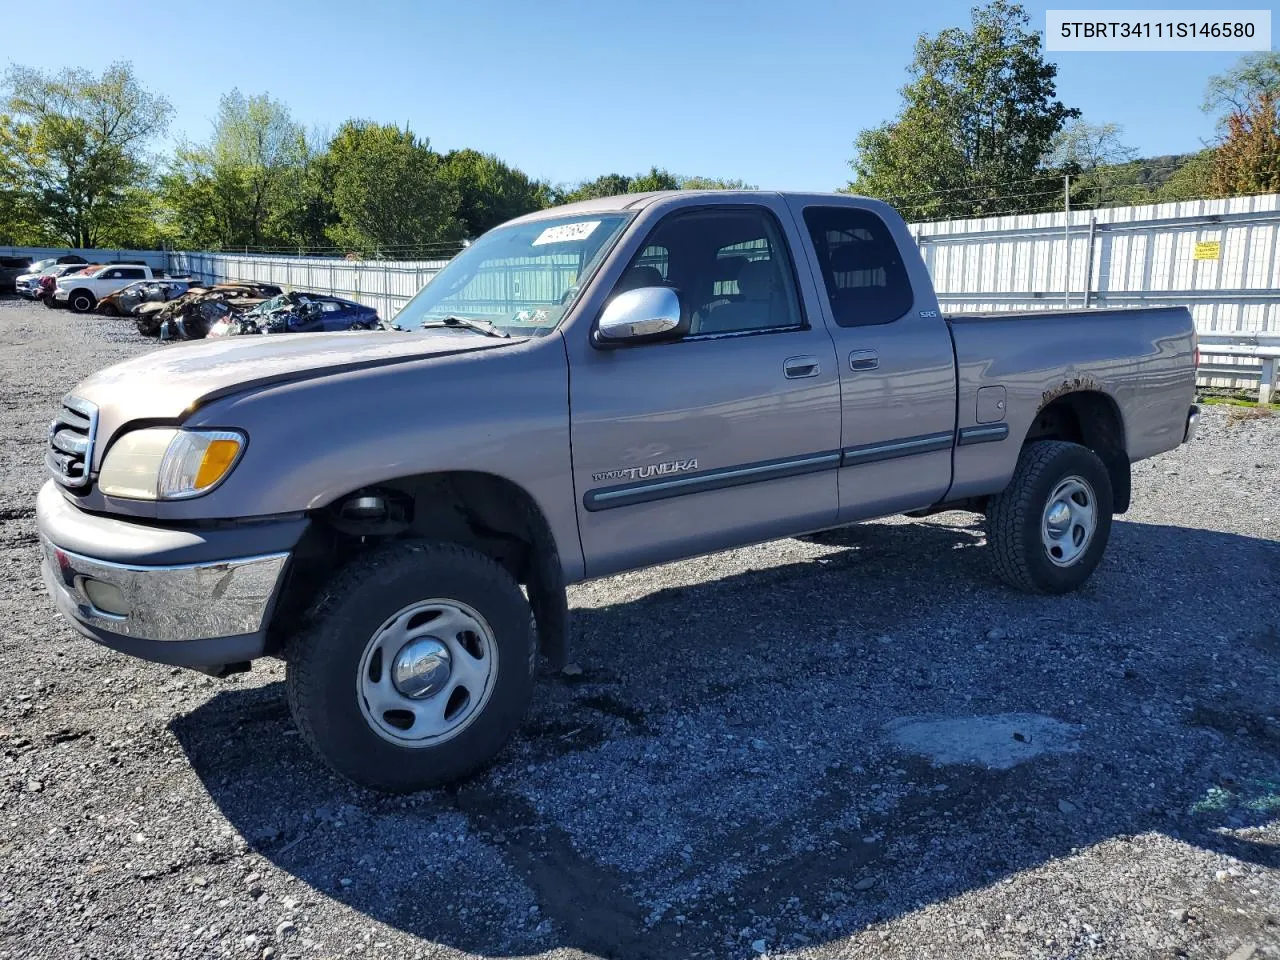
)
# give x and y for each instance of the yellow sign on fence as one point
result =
(1209, 250)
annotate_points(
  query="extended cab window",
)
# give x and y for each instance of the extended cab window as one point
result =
(729, 266)
(133, 273)
(862, 268)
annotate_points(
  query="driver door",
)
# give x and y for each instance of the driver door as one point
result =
(727, 436)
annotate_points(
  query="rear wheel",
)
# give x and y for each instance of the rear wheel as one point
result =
(81, 301)
(1049, 528)
(416, 666)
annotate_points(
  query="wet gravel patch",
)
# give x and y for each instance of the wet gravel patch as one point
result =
(795, 749)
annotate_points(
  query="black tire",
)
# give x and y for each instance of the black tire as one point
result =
(49, 302)
(323, 663)
(81, 301)
(109, 310)
(1016, 517)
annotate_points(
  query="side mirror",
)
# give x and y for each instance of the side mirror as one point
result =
(643, 315)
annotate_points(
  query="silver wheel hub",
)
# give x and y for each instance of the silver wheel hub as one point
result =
(422, 668)
(1070, 518)
(427, 673)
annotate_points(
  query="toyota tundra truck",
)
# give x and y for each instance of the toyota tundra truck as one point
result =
(589, 389)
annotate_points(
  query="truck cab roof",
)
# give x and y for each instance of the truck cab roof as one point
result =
(632, 202)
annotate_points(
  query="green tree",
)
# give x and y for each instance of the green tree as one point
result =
(489, 191)
(305, 213)
(18, 221)
(1099, 163)
(194, 209)
(74, 151)
(388, 190)
(980, 112)
(1236, 89)
(616, 184)
(1080, 146)
(235, 190)
(655, 179)
(258, 147)
(713, 183)
(1192, 179)
(609, 185)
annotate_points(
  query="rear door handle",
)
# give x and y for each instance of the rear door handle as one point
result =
(797, 368)
(864, 360)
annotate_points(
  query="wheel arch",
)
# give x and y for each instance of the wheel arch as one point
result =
(1092, 419)
(480, 510)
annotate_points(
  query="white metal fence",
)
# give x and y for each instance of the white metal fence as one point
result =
(1220, 258)
(1232, 361)
(385, 285)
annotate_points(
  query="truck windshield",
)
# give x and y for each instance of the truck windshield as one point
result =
(521, 278)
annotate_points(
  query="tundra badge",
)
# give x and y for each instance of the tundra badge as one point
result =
(648, 470)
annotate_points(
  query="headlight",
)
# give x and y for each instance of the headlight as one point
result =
(164, 463)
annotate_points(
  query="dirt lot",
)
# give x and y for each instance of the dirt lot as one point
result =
(859, 747)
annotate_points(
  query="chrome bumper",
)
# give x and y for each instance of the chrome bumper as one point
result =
(165, 604)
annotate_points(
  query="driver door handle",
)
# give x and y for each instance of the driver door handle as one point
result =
(864, 360)
(797, 368)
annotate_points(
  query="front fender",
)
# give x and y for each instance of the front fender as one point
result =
(501, 412)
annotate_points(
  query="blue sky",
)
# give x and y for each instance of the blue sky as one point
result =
(772, 93)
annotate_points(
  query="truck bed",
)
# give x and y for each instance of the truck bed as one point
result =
(1141, 360)
(981, 316)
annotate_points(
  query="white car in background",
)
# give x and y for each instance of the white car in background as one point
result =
(28, 284)
(82, 292)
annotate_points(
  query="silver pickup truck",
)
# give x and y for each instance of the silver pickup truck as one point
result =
(584, 390)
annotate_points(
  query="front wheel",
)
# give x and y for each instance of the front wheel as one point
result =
(416, 666)
(81, 301)
(1048, 529)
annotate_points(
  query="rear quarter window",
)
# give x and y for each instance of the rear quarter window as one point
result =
(862, 268)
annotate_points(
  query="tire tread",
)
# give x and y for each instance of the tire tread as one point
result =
(1011, 510)
(306, 657)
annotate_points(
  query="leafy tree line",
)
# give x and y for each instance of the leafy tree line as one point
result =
(982, 132)
(75, 170)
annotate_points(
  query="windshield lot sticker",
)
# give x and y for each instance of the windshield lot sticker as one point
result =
(566, 232)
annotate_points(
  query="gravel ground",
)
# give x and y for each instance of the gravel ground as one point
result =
(851, 746)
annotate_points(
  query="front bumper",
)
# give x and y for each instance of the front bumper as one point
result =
(203, 613)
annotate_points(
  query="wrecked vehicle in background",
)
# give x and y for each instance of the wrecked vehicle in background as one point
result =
(123, 302)
(190, 316)
(297, 312)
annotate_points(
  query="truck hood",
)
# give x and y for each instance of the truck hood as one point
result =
(172, 381)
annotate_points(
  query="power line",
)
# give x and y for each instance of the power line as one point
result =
(1053, 177)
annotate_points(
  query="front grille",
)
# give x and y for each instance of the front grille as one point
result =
(71, 442)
